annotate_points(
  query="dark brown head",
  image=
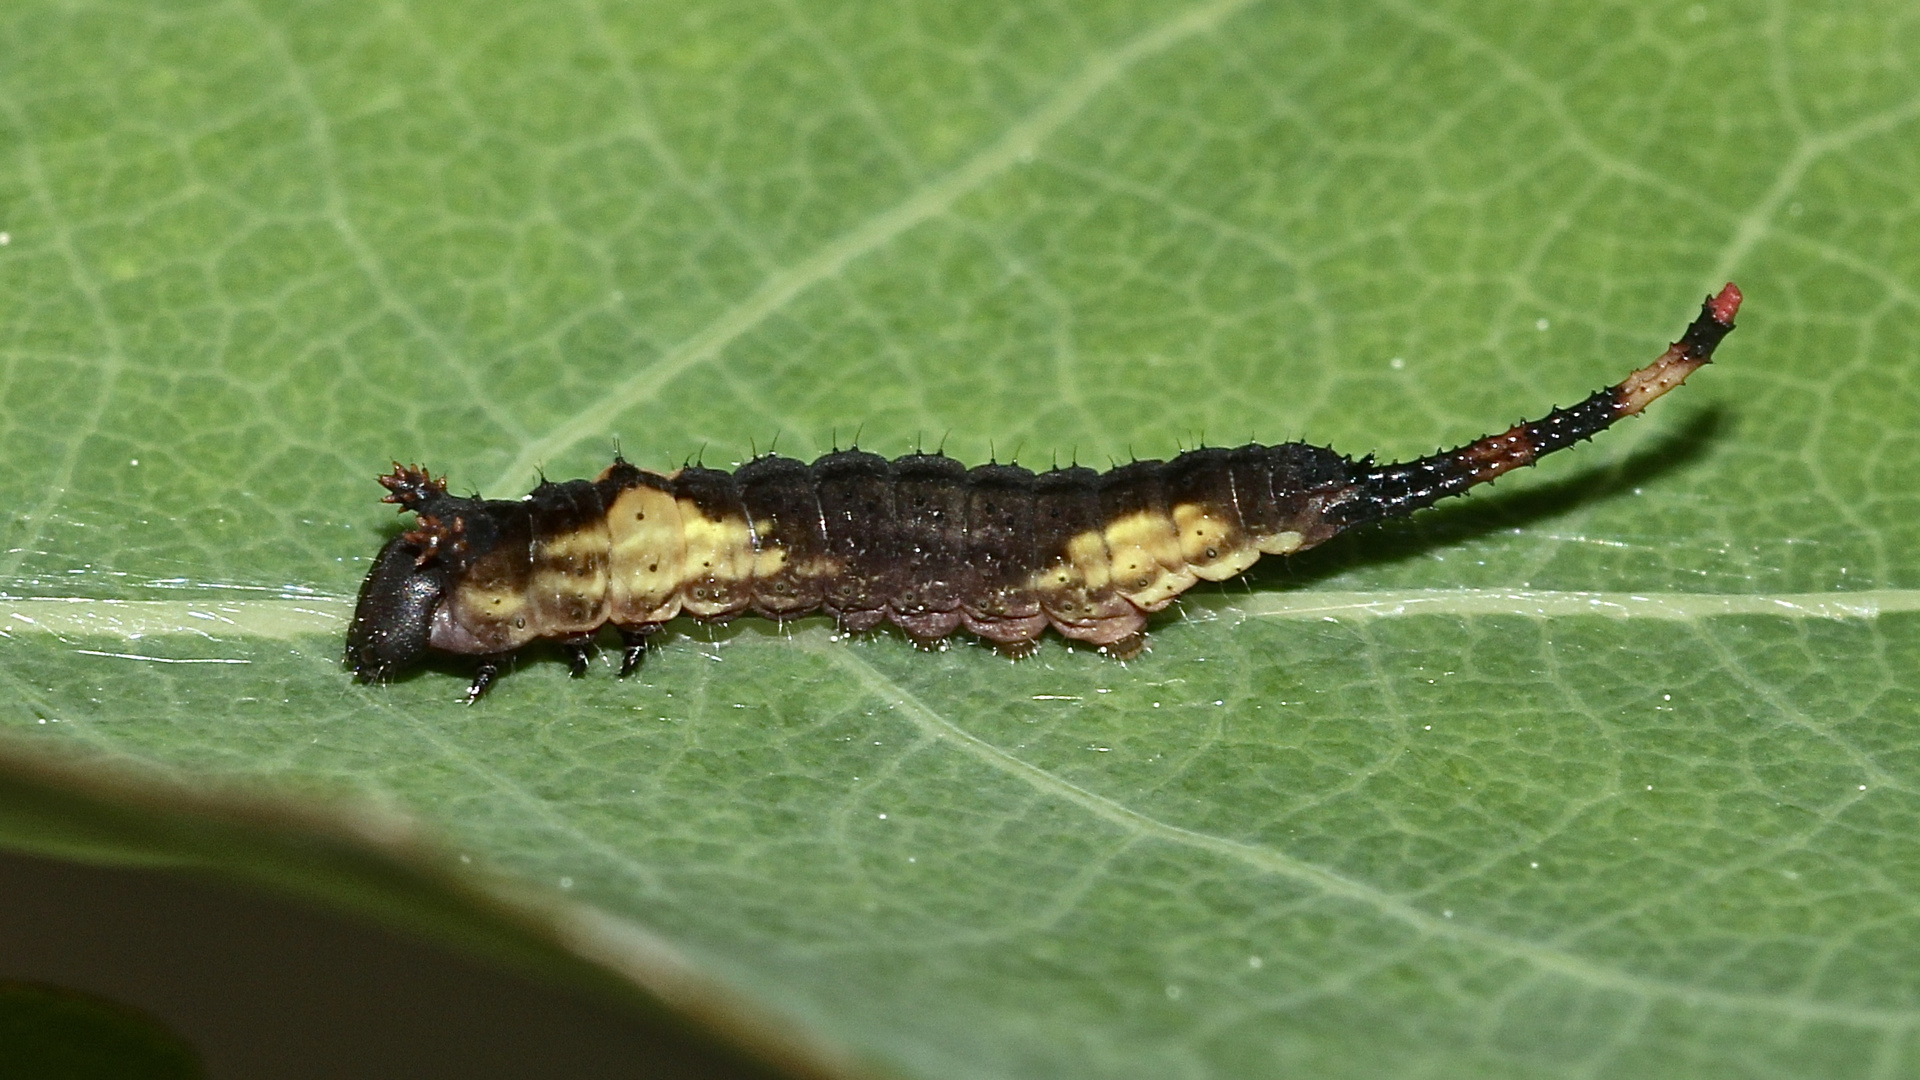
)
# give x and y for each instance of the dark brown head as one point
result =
(393, 622)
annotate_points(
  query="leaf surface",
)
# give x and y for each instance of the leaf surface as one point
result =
(1608, 772)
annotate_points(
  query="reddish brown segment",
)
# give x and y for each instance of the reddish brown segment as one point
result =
(921, 541)
(1398, 489)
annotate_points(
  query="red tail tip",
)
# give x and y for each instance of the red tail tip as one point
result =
(1724, 306)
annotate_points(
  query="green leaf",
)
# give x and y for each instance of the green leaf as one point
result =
(1610, 772)
(57, 1034)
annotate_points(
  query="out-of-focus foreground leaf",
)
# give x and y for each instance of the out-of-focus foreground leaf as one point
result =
(1612, 772)
(49, 1032)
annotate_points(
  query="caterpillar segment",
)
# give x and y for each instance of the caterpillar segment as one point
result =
(921, 541)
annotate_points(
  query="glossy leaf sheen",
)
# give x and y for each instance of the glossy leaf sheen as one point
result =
(253, 252)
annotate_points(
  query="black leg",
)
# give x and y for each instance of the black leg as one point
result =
(577, 654)
(633, 647)
(482, 678)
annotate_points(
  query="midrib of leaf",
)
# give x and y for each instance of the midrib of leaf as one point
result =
(296, 618)
(109, 631)
(279, 620)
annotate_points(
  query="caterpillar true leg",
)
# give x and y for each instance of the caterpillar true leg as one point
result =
(483, 677)
(633, 647)
(579, 653)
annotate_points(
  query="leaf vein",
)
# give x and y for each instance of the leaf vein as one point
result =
(923, 204)
(1555, 961)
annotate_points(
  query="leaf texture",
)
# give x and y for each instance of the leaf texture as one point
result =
(1608, 772)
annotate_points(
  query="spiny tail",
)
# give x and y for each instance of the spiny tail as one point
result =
(1387, 491)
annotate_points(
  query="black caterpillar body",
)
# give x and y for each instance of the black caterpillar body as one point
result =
(920, 541)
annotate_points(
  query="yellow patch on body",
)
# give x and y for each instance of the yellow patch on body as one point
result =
(768, 561)
(490, 604)
(1143, 550)
(772, 559)
(1282, 543)
(1212, 547)
(648, 548)
(1088, 559)
(569, 580)
(1066, 584)
(719, 561)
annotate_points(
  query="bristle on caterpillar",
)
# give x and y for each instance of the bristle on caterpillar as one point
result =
(921, 541)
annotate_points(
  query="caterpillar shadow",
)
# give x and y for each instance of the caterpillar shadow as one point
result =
(1495, 511)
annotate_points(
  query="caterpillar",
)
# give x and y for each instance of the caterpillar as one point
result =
(920, 541)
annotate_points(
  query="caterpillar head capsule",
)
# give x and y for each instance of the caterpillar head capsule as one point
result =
(393, 621)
